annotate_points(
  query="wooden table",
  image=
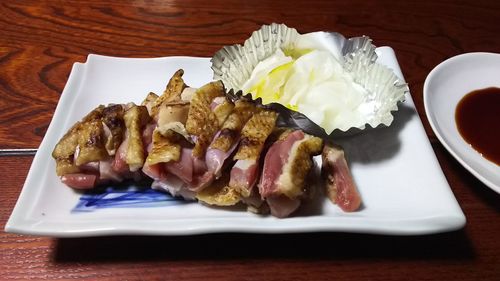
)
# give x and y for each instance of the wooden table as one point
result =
(40, 40)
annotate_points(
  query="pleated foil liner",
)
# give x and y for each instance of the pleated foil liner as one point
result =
(234, 65)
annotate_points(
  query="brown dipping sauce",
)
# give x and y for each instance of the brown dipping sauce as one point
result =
(478, 120)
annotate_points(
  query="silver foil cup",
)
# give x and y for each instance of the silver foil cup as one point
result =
(234, 65)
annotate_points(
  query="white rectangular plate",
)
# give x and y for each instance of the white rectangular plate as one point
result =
(403, 188)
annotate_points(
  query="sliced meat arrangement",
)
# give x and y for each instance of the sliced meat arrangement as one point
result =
(186, 124)
(106, 145)
(200, 145)
(245, 172)
(227, 139)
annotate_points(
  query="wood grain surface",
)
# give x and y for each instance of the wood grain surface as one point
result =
(40, 41)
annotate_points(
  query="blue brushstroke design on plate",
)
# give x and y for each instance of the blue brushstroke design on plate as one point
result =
(128, 195)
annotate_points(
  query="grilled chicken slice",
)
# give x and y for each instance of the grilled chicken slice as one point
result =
(227, 138)
(65, 149)
(171, 94)
(165, 148)
(205, 112)
(84, 155)
(193, 115)
(114, 127)
(171, 115)
(233, 125)
(245, 172)
(286, 166)
(91, 145)
(340, 186)
(84, 142)
(202, 122)
(169, 134)
(136, 118)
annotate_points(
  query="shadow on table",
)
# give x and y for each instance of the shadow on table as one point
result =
(312, 246)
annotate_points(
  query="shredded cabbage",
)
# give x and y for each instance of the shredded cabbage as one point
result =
(313, 82)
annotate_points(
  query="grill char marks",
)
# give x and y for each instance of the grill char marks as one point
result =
(233, 125)
(202, 122)
(172, 93)
(227, 139)
(136, 118)
(112, 118)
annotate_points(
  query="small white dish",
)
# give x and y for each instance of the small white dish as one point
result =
(444, 87)
(403, 189)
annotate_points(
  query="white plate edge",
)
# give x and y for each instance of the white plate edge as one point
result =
(421, 226)
(76, 77)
